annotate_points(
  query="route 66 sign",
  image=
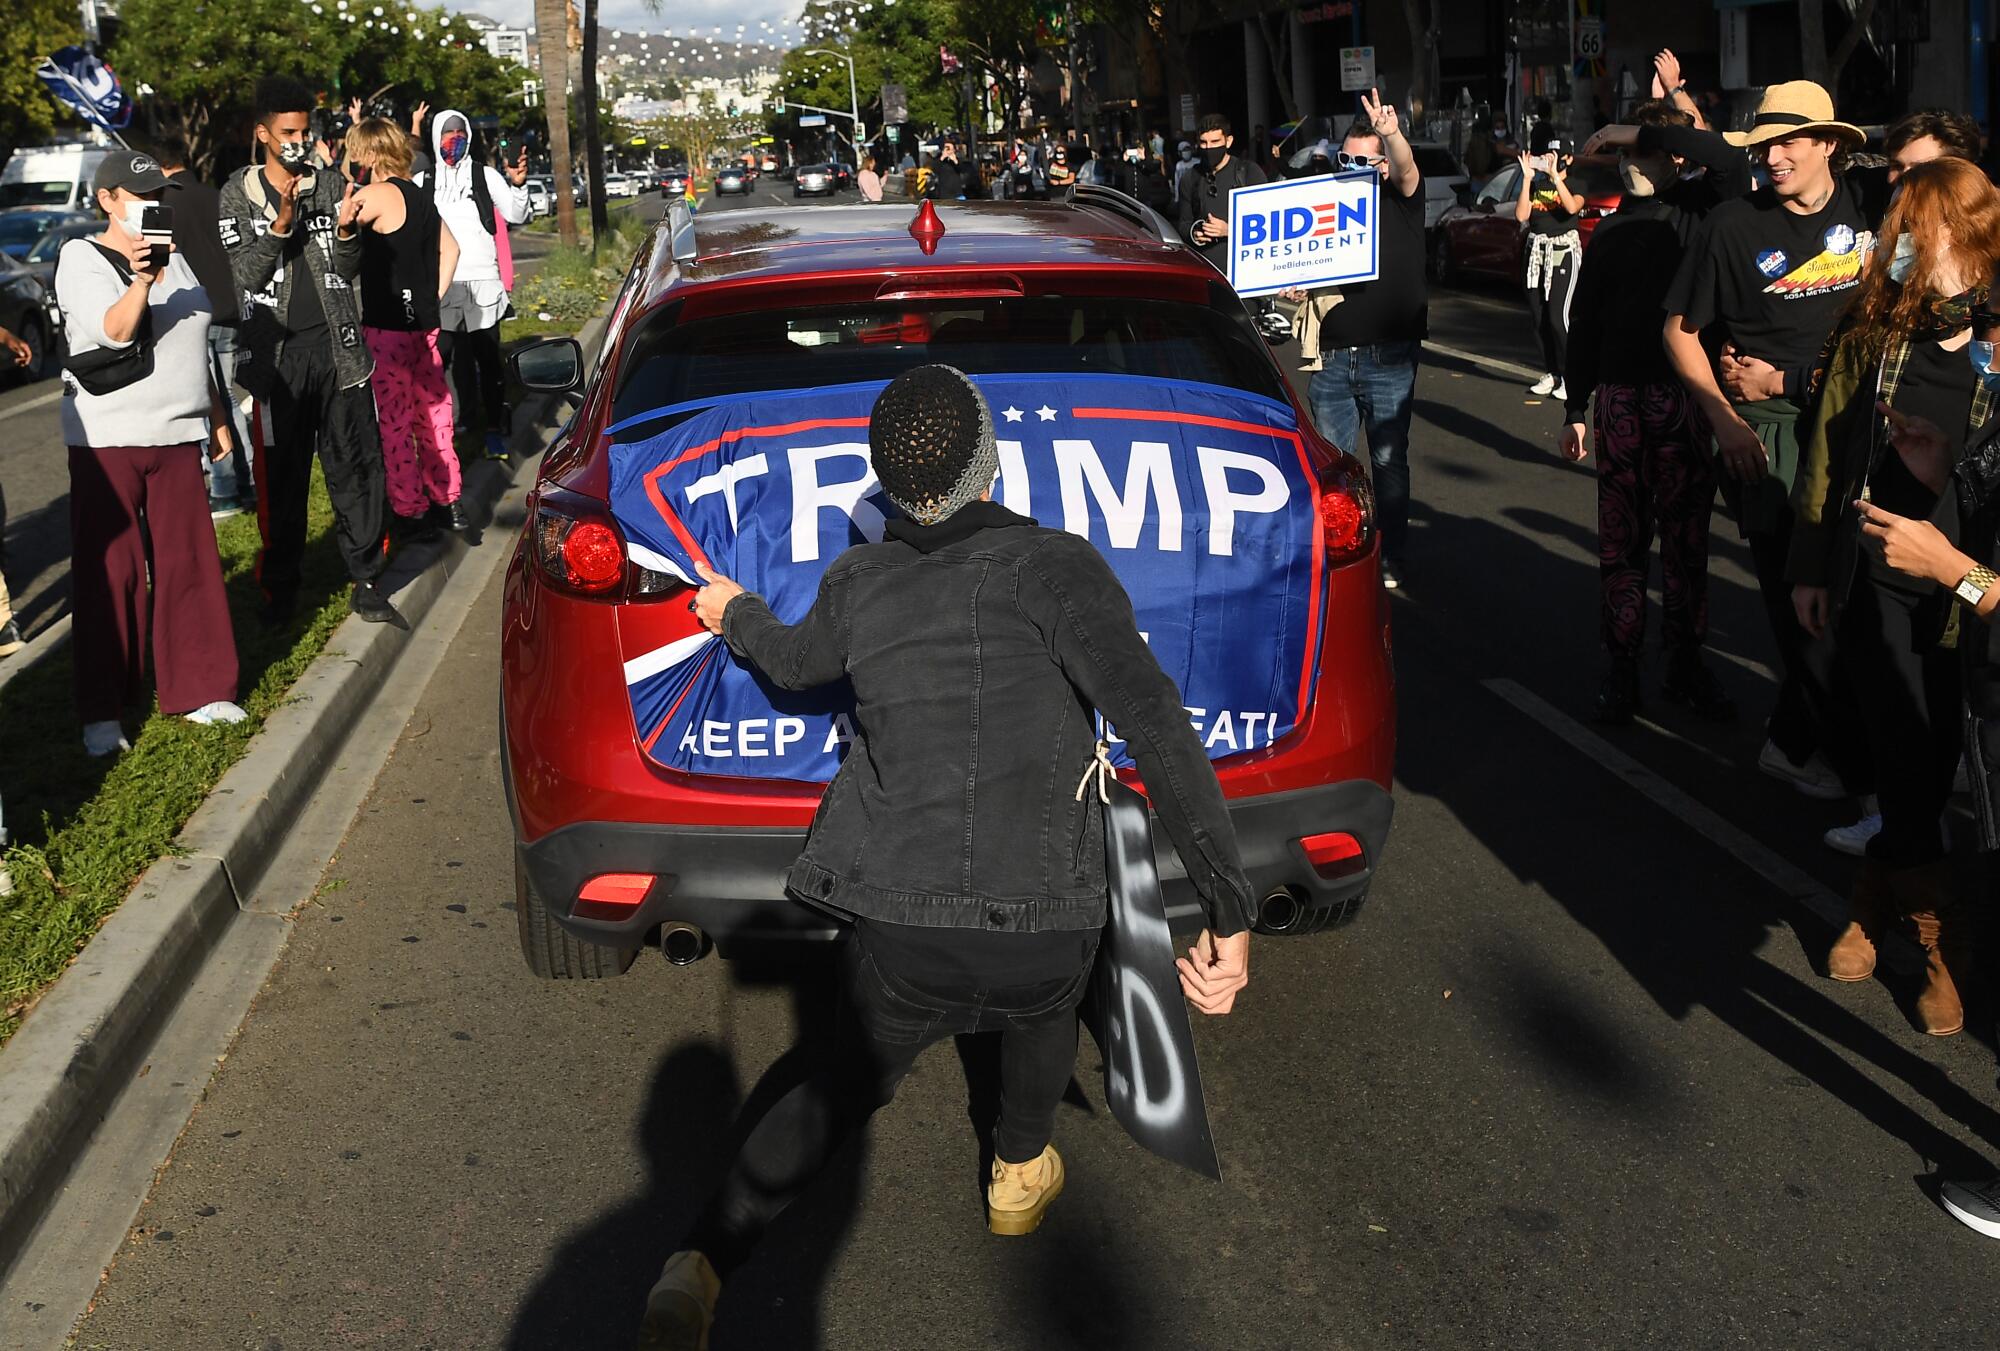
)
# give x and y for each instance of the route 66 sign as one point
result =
(1589, 37)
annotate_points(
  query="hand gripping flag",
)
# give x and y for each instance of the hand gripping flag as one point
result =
(76, 76)
(1202, 499)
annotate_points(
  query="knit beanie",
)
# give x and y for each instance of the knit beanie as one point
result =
(930, 438)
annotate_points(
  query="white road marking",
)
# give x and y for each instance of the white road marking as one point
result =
(38, 401)
(1491, 363)
(1792, 881)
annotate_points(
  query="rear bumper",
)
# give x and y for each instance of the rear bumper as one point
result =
(730, 881)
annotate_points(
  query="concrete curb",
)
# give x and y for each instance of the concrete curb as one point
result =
(61, 1073)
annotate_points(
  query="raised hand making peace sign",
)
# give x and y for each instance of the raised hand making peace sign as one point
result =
(1381, 114)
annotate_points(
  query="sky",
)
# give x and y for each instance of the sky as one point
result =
(675, 15)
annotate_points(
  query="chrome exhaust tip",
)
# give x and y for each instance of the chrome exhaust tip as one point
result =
(1279, 912)
(683, 943)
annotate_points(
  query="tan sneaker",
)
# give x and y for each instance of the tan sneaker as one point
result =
(1019, 1194)
(681, 1308)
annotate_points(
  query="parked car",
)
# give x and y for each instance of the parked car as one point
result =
(763, 321)
(620, 185)
(41, 259)
(23, 226)
(28, 309)
(815, 180)
(674, 182)
(1483, 240)
(1445, 179)
(732, 178)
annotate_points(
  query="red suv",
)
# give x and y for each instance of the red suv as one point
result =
(660, 790)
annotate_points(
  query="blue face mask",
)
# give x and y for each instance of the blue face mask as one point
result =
(1980, 354)
(1903, 259)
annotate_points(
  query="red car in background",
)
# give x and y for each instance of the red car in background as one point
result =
(614, 849)
(1483, 240)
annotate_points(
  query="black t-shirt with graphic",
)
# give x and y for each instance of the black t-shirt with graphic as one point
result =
(1771, 280)
(1395, 306)
(1545, 212)
(305, 322)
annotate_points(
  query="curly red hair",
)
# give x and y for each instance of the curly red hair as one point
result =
(1944, 199)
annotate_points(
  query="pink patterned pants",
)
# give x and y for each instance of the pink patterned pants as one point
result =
(415, 410)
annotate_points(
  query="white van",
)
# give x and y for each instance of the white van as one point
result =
(51, 176)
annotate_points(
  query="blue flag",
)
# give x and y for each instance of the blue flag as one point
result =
(76, 76)
(1202, 499)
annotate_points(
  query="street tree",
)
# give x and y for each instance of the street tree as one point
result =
(552, 29)
(27, 112)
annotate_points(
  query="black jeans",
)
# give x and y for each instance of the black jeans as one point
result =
(886, 1021)
(1909, 692)
(478, 378)
(310, 414)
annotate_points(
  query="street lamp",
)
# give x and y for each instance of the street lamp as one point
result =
(853, 98)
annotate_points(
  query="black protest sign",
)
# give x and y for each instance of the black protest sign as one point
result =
(1139, 1016)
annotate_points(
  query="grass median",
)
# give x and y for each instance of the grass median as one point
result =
(569, 285)
(83, 830)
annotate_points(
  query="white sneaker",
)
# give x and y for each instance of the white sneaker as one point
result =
(1545, 385)
(1975, 1204)
(1561, 391)
(221, 711)
(1854, 839)
(1814, 779)
(104, 738)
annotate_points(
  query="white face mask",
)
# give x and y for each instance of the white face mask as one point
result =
(1644, 176)
(134, 212)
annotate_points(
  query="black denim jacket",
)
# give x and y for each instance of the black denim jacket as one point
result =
(975, 668)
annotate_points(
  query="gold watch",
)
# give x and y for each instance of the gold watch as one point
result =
(1972, 587)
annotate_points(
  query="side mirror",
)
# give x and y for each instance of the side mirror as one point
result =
(550, 366)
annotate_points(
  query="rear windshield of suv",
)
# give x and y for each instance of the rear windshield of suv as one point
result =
(878, 340)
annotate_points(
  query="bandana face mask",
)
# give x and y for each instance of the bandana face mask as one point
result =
(452, 146)
(293, 154)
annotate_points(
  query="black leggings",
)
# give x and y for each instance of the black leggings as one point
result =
(478, 378)
(1908, 689)
(886, 1022)
(1549, 313)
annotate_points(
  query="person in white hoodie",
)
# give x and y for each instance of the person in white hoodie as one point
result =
(474, 199)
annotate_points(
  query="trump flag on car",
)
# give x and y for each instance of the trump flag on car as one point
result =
(1202, 498)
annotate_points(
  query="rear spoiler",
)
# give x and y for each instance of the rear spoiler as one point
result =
(1127, 207)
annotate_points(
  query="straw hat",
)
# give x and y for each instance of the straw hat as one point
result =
(1795, 108)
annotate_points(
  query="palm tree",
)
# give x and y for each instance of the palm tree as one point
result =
(593, 132)
(552, 39)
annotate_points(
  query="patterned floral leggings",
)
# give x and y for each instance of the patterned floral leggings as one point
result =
(415, 410)
(1654, 473)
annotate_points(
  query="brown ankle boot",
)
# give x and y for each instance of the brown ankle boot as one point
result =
(1930, 900)
(1852, 956)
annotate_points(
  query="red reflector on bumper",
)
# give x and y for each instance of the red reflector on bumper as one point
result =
(612, 895)
(1335, 854)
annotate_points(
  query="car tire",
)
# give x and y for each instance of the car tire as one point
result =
(552, 952)
(1444, 271)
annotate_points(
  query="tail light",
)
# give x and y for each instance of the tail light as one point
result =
(612, 895)
(1333, 855)
(1346, 512)
(580, 550)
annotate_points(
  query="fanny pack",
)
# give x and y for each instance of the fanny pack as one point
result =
(106, 370)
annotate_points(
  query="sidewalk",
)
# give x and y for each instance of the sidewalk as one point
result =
(229, 868)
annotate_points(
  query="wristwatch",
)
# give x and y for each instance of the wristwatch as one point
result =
(1972, 587)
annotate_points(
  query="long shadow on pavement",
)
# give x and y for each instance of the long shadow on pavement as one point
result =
(1691, 933)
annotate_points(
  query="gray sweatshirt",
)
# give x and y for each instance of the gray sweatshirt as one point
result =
(169, 407)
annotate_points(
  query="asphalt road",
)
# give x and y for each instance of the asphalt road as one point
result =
(34, 474)
(1571, 1079)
